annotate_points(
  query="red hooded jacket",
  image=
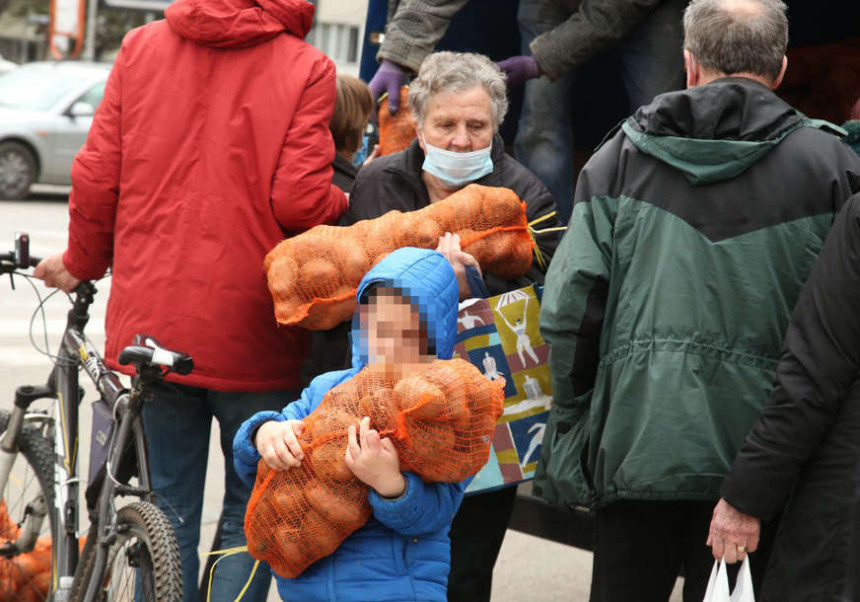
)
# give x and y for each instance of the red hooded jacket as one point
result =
(210, 146)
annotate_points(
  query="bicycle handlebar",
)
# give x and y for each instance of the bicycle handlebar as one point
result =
(20, 257)
(152, 353)
(145, 350)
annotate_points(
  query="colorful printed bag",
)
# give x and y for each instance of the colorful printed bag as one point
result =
(501, 336)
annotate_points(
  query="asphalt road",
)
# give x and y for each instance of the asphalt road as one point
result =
(528, 569)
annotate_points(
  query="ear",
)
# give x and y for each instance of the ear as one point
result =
(691, 65)
(781, 75)
(420, 138)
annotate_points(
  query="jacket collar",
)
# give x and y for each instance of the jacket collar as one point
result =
(730, 108)
(342, 165)
(715, 132)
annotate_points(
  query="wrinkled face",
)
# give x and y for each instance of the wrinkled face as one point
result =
(392, 327)
(461, 122)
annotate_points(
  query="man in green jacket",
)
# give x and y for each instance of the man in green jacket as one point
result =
(694, 228)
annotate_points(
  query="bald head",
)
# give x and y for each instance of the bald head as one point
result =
(737, 36)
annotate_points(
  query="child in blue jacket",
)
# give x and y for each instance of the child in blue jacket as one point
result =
(407, 317)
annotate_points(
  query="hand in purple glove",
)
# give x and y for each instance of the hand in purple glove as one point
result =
(519, 69)
(389, 78)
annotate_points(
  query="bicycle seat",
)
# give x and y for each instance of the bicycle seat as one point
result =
(147, 351)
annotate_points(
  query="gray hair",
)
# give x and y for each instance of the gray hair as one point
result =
(737, 36)
(457, 72)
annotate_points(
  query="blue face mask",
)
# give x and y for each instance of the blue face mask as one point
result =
(455, 170)
(361, 154)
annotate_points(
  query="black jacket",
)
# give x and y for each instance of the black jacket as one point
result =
(806, 443)
(344, 173)
(394, 182)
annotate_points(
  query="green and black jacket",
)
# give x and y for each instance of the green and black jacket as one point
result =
(693, 231)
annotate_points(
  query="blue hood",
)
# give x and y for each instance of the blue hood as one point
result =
(428, 279)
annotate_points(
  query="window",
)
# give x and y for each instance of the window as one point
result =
(94, 95)
(340, 42)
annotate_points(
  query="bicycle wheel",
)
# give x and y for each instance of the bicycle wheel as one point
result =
(142, 561)
(27, 576)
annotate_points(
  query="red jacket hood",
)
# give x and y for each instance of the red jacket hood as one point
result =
(238, 23)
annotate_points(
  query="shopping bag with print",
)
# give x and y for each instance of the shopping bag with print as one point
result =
(501, 336)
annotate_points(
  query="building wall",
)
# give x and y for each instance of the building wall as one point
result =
(339, 30)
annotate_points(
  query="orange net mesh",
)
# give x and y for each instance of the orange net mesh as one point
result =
(25, 577)
(313, 277)
(396, 132)
(441, 421)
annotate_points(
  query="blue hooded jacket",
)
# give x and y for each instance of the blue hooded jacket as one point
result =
(403, 552)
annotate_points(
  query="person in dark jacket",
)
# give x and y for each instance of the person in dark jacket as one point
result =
(459, 101)
(694, 229)
(804, 449)
(329, 349)
(352, 109)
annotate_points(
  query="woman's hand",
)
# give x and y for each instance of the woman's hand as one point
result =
(374, 461)
(278, 445)
(449, 246)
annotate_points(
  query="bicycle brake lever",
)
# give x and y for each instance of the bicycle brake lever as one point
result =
(12, 280)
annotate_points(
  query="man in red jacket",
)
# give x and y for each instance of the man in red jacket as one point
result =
(210, 146)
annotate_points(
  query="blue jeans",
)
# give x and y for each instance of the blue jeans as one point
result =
(177, 424)
(651, 63)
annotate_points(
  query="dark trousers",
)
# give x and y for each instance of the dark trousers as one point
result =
(178, 424)
(476, 538)
(640, 548)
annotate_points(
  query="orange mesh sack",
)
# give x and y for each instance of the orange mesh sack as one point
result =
(396, 132)
(25, 576)
(441, 421)
(313, 277)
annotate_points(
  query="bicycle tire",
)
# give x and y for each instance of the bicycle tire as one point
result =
(37, 451)
(153, 546)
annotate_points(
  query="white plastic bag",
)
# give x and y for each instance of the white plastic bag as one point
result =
(718, 584)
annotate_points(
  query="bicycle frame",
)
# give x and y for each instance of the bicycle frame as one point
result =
(63, 388)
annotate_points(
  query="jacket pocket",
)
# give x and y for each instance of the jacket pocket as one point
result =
(563, 476)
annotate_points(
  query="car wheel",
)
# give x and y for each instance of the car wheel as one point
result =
(17, 170)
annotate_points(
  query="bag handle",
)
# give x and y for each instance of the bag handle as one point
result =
(718, 584)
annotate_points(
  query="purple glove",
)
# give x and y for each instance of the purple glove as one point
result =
(389, 78)
(519, 69)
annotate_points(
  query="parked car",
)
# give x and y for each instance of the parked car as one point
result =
(46, 110)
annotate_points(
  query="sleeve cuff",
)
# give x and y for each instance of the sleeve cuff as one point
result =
(476, 283)
(389, 510)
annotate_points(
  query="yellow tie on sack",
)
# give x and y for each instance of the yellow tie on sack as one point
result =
(224, 554)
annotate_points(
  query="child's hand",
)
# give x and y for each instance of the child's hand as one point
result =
(374, 461)
(277, 444)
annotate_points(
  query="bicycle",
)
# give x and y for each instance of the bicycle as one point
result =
(130, 552)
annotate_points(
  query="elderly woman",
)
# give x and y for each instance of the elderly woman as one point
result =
(459, 101)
